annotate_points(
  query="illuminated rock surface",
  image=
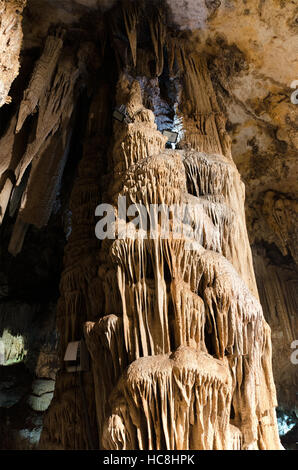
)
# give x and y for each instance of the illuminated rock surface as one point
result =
(179, 346)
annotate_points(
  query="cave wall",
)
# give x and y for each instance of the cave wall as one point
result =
(251, 88)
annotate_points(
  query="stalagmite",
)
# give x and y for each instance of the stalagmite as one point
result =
(180, 350)
(81, 289)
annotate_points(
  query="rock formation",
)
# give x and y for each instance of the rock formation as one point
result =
(186, 349)
(10, 44)
(180, 351)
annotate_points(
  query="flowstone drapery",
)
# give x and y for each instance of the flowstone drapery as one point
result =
(180, 350)
(190, 328)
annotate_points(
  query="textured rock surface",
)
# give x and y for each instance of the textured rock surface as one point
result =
(42, 394)
(165, 303)
(10, 44)
(68, 71)
(277, 282)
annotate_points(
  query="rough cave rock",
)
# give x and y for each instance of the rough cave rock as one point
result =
(189, 336)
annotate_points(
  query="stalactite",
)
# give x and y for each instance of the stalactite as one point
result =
(17, 237)
(6, 146)
(158, 33)
(55, 106)
(130, 16)
(203, 122)
(41, 77)
(7, 187)
(41, 92)
(37, 202)
(52, 88)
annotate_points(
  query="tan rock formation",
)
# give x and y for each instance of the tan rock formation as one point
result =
(278, 287)
(181, 312)
(180, 350)
(51, 88)
(81, 290)
(251, 49)
(11, 36)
